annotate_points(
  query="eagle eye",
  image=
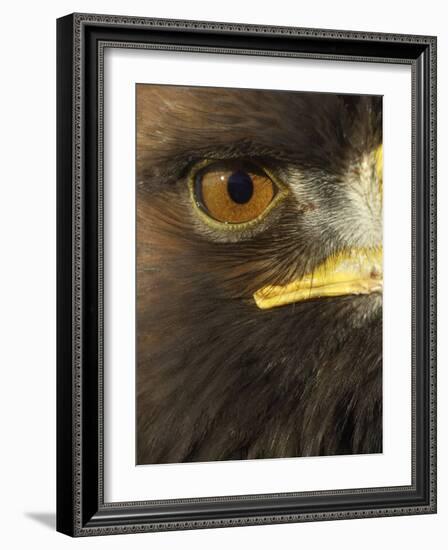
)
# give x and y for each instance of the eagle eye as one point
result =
(233, 194)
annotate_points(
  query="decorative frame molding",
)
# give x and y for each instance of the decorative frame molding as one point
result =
(81, 42)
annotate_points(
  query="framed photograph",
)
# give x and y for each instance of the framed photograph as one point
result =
(246, 274)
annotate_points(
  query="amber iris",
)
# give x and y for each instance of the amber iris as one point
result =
(233, 193)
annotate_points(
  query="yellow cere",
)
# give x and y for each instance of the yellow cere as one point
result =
(379, 167)
(352, 272)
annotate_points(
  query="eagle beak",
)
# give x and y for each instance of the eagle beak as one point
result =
(352, 272)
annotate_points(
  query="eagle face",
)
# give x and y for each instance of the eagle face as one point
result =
(259, 274)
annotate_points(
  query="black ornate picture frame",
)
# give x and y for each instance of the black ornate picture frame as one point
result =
(81, 507)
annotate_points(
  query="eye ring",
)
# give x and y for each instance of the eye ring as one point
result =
(280, 191)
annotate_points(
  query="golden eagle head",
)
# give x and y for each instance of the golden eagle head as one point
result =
(259, 273)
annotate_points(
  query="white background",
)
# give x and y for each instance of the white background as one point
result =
(125, 482)
(27, 229)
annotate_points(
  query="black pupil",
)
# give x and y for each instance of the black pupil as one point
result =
(240, 187)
